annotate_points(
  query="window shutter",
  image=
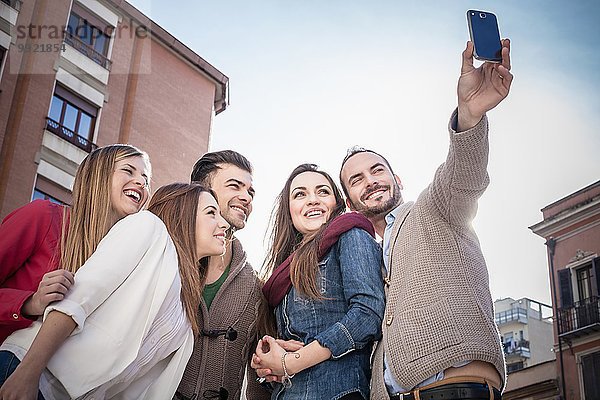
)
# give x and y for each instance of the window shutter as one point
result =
(76, 100)
(591, 373)
(91, 18)
(596, 269)
(566, 290)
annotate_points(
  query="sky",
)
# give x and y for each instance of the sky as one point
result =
(309, 79)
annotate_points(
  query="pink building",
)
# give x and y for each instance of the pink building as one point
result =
(571, 227)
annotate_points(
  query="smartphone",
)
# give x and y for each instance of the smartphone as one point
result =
(483, 29)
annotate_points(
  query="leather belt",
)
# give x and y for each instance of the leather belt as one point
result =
(452, 391)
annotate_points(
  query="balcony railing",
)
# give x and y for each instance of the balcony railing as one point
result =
(581, 319)
(87, 50)
(16, 4)
(520, 348)
(514, 314)
(69, 135)
(514, 367)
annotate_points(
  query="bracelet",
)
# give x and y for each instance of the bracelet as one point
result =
(287, 378)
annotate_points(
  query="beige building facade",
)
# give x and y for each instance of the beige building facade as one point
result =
(525, 326)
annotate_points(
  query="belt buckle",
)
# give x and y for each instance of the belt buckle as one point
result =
(401, 396)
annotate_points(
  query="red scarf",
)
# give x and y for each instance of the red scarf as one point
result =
(279, 284)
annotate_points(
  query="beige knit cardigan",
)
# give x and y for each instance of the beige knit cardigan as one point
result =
(439, 310)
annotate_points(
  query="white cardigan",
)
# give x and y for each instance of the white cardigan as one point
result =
(132, 339)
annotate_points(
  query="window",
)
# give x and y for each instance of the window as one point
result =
(514, 314)
(39, 195)
(3, 54)
(590, 366)
(514, 367)
(16, 4)
(72, 118)
(579, 283)
(507, 342)
(89, 35)
(579, 299)
(584, 282)
(46, 189)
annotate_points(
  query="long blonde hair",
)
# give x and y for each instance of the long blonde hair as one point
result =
(177, 206)
(90, 217)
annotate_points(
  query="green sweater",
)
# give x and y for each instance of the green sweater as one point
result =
(211, 289)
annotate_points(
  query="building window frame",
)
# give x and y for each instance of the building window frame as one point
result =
(579, 361)
(575, 281)
(39, 195)
(583, 275)
(14, 4)
(514, 367)
(66, 115)
(47, 189)
(3, 58)
(89, 35)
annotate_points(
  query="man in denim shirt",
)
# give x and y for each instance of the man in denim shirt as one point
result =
(439, 336)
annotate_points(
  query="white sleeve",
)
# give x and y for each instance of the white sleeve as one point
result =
(118, 254)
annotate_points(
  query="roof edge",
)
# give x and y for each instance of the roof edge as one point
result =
(161, 34)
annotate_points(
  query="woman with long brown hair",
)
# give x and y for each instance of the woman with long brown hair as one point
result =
(122, 330)
(326, 289)
(192, 216)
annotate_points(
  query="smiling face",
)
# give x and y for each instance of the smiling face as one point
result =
(371, 187)
(210, 227)
(129, 186)
(233, 187)
(311, 201)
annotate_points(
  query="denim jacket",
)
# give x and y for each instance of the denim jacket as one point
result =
(347, 320)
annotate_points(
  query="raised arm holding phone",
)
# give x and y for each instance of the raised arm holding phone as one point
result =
(439, 336)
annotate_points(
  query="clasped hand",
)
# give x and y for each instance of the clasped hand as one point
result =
(267, 357)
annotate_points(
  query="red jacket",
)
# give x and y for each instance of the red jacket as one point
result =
(29, 239)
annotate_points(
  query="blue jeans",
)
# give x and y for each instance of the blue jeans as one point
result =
(8, 364)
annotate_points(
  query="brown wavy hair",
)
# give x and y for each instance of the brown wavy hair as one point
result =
(177, 205)
(90, 217)
(286, 239)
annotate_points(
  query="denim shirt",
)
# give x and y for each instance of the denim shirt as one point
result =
(347, 320)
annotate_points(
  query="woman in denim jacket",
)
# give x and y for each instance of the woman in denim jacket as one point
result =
(326, 290)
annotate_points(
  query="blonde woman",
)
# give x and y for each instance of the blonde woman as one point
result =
(122, 330)
(30, 237)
